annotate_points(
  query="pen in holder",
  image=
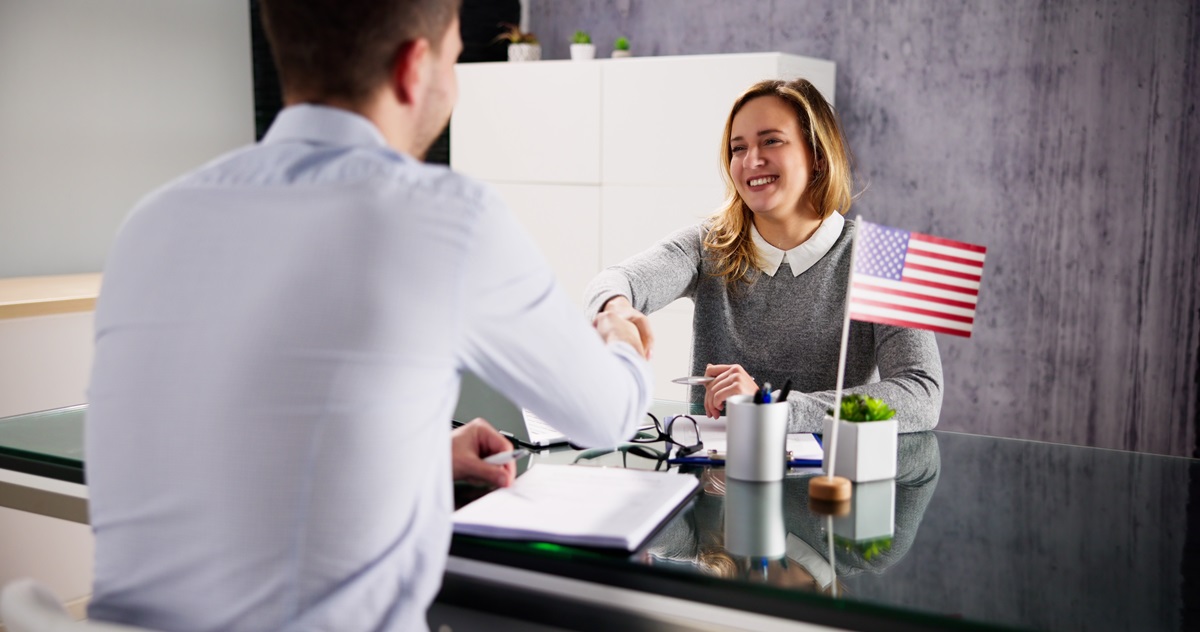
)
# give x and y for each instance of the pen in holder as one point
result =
(756, 436)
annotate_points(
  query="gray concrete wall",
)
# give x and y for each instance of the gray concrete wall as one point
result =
(1062, 135)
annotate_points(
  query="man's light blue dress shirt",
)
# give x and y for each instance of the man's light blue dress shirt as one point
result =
(279, 340)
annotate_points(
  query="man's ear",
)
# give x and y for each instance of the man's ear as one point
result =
(409, 70)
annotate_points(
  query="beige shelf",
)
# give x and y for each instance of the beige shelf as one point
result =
(21, 297)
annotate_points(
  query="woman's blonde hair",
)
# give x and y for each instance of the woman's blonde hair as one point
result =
(728, 240)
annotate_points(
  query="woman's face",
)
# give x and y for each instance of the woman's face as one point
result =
(771, 163)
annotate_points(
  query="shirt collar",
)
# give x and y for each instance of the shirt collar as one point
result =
(323, 125)
(806, 556)
(804, 256)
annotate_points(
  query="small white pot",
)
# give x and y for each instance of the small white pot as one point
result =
(524, 52)
(872, 512)
(583, 52)
(866, 450)
(619, 54)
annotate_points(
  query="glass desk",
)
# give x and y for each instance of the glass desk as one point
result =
(986, 533)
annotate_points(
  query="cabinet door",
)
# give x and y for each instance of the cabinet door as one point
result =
(46, 363)
(564, 221)
(528, 122)
(672, 355)
(664, 117)
(633, 218)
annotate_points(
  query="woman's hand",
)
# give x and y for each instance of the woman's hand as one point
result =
(609, 322)
(469, 444)
(729, 380)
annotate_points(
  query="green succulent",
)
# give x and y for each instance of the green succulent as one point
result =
(581, 37)
(863, 408)
(621, 43)
(869, 549)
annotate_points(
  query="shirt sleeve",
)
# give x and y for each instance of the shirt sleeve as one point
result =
(653, 278)
(910, 372)
(525, 338)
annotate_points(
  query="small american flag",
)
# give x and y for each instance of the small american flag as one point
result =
(914, 280)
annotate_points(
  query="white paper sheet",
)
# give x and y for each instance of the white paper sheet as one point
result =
(574, 504)
(803, 446)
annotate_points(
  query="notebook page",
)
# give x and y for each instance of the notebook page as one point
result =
(803, 445)
(570, 504)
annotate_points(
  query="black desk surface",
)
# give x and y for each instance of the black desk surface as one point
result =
(987, 532)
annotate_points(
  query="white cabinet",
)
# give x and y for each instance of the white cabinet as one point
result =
(553, 214)
(46, 335)
(601, 159)
(46, 363)
(663, 117)
(528, 122)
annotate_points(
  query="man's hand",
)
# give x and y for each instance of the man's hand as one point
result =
(729, 380)
(618, 320)
(469, 444)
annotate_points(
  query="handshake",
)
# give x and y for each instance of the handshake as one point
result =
(618, 321)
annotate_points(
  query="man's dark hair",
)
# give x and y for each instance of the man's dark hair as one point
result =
(344, 49)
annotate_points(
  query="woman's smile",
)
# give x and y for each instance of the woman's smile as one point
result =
(759, 183)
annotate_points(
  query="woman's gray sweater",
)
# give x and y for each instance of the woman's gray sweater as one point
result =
(783, 327)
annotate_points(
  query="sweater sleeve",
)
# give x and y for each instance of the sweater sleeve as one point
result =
(910, 372)
(653, 278)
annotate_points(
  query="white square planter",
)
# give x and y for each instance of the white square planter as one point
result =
(866, 450)
(872, 512)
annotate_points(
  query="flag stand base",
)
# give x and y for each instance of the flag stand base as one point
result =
(829, 489)
(829, 508)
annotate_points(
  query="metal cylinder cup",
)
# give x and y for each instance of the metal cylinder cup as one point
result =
(754, 519)
(756, 436)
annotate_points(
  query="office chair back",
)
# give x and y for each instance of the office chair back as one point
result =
(27, 606)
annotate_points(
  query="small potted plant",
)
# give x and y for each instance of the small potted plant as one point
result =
(869, 549)
(866, 449)
(582, 47)
(871, 522)
(621, 48)
(522, 46)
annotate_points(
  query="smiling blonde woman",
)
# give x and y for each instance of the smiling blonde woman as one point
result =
(768, 272)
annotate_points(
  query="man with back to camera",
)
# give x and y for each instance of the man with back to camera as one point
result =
(279, 342)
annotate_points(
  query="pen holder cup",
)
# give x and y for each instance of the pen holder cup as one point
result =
(754, 519)
(756, 436)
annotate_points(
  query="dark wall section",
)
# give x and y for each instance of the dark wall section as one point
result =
(479, 26)
(268, 96)
(1063, 135)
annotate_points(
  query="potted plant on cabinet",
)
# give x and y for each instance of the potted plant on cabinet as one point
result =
(582, 47)
(522, 46)
(621, 48)
(869, 526)
(866, 449)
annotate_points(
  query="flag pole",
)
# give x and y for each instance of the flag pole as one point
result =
(832, 557)
(841, 374)
(837, 488)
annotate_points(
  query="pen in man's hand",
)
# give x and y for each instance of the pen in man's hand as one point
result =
(500, 458)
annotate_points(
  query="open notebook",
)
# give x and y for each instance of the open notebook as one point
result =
(578, 505)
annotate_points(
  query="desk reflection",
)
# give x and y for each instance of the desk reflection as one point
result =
(766, 532)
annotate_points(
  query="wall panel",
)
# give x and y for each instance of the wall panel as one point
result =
(1061, 134)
